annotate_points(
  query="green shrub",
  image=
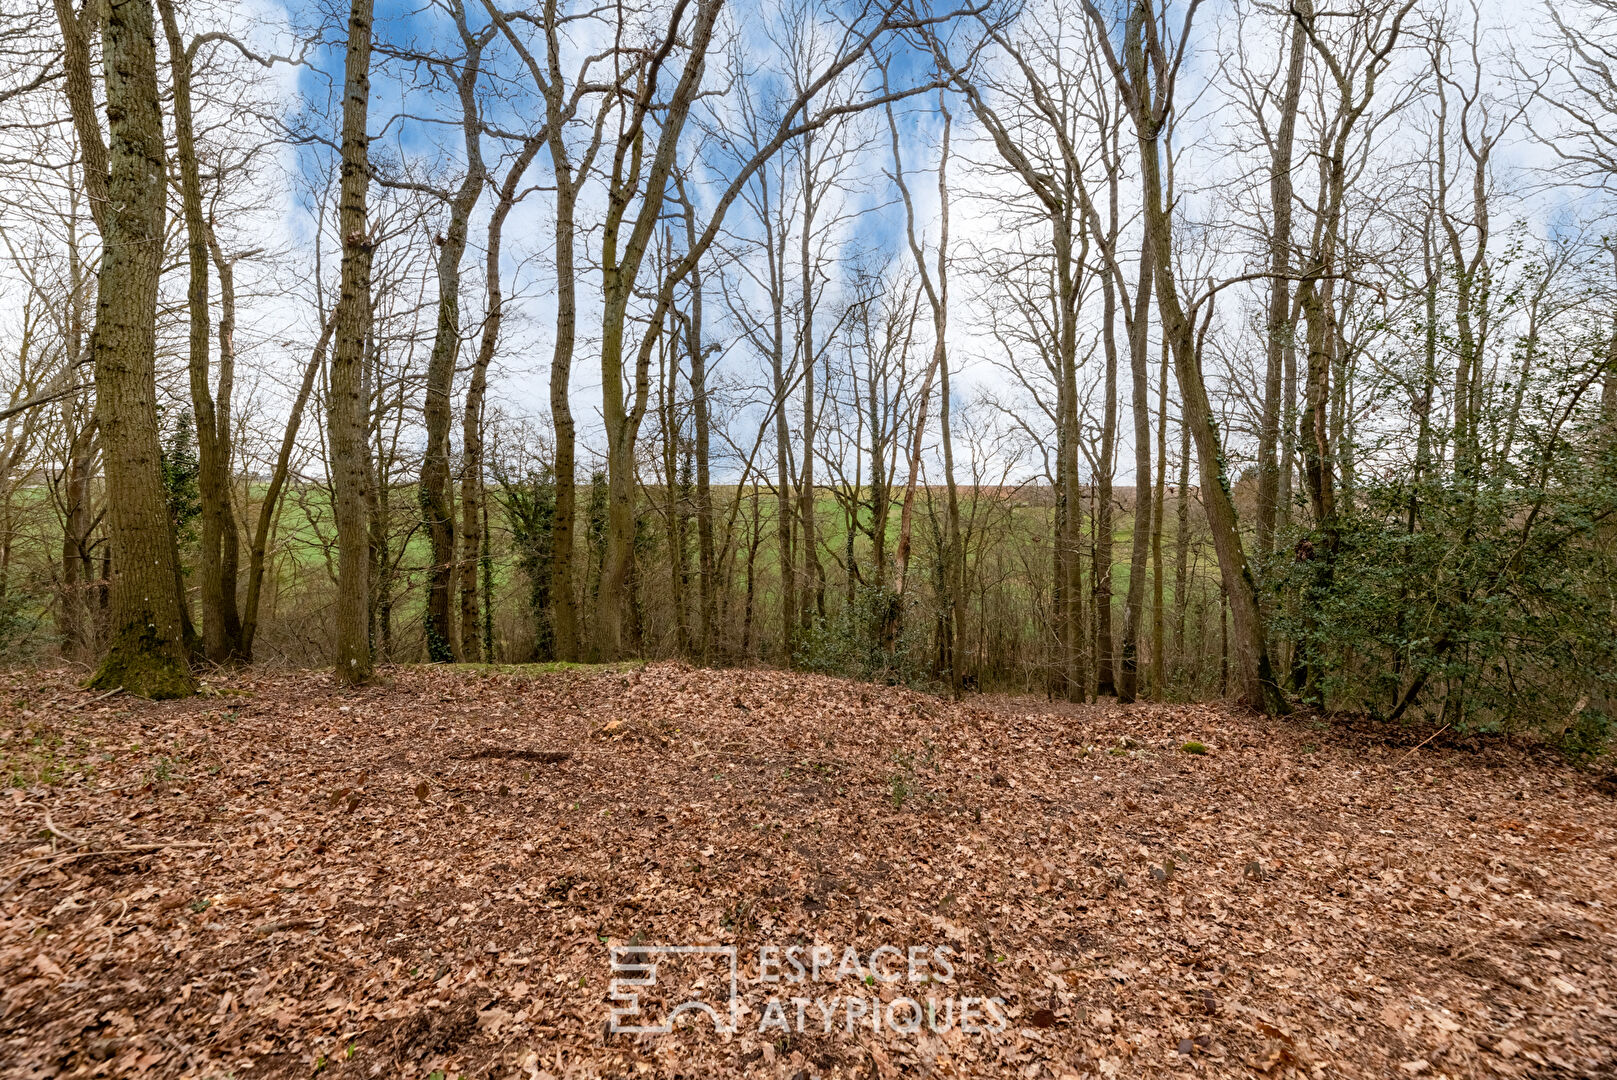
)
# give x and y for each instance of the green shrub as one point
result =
(877, 637)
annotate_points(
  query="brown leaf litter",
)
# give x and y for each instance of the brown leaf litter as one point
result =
(424, 879)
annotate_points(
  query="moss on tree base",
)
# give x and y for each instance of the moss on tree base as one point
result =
(145, 666)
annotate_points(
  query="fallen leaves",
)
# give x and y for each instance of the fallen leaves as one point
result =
(424, 878)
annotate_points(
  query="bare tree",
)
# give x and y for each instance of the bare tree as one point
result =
(347, 402)
(1146, 72)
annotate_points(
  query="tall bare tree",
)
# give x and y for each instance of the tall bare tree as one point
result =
(348, 397)
(1146, 70)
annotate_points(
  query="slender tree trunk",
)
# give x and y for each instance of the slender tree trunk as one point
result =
(437, 498)
(561, 109)
(1068, 561)
(1181, 544)
(348, 407)
(1140, 376)
(1318, 470)
(906, 512)
(221, 628)
(755, 535)
(1159, 656)
(1278, 328)
(955, 555)
(707, 570)
(478, 645)
(563, 590)
(701, 419)
(257, 552)
(1285, 485)
(813, 584)
(78, 426)
(955, 562)
(880, 497)
(78, 638)
(1255, 681)
(229, 534)
(785, 557)
(1100, 580)
(673, 519)
(620, 268)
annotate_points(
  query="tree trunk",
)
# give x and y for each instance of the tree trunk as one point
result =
(785, 556)
(257, 553)
(437, 497)
(707, 583)
(1255, 680)
(1069, 541)
(474, 636)
(78, 427)
(146, 653)
(813, 581)
(1159, 662)
(229, 536)
(673, 511)
(563, 591)
(1256, 687)
(221, 628)
(1140, 376)
(1100, 579)
(620, 268)
(1278, 328)
(1181, 543)
(77, 632)
(349, 404)
(701, 419)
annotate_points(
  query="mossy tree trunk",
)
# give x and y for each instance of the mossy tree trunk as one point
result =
(476, 645)
(620, 271)
(436, 491)
(146, 647)
(221, 625)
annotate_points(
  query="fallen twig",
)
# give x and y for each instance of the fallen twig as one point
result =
(1423, 742)
(51, 704)
(542, 757)
(116, 690)
(56, 859)
(51, 825)
(266, 929)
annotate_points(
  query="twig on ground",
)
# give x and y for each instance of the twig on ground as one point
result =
(1423, 742)
(110, 693)
(62, 859)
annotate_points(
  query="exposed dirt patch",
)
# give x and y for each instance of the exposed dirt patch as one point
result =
(284, 878)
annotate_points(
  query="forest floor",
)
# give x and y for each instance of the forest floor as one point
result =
(277, 878)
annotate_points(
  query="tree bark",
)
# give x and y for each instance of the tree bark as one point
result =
(146, 650)
(701, 419)
(1159, 657)
(349, 403)
(476, 643)
(1140, 376)
(1100, 575)
(437, 498)
(221, 626)
(1278, 328)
